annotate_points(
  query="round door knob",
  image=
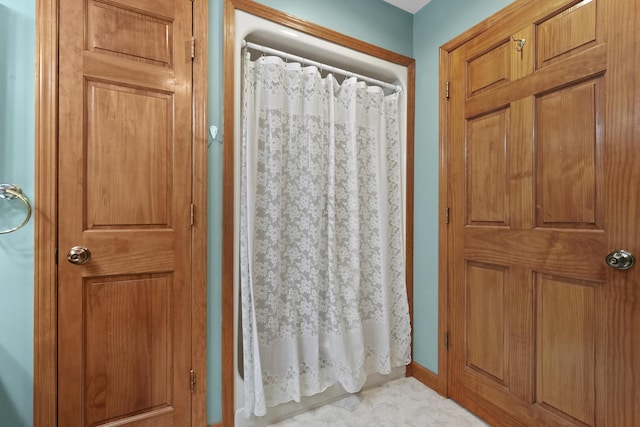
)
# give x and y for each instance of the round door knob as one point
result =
(78, 255)
(620, 260)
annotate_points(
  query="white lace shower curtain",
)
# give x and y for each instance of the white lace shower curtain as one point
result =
(322, 261)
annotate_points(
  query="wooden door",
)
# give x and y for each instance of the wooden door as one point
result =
(124, 332)
(544, 173)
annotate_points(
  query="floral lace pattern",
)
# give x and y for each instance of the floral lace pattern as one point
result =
(323, 292)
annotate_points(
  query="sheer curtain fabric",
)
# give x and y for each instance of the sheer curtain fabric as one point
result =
(323, 295)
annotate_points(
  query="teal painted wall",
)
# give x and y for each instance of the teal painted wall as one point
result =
(382, 25)
(17, 68)
(214, 248)
(435, 24)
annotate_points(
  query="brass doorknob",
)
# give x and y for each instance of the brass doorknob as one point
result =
(620, 259)
(78, 255)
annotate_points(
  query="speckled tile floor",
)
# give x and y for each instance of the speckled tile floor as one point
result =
(400, 403)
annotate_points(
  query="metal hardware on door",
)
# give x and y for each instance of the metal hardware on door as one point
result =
(78, 255)
(520, 42)
(620, 260)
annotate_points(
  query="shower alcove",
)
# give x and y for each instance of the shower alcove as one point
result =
(267, 27)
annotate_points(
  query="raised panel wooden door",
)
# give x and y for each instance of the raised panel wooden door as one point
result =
(125, 194)
(544, 173)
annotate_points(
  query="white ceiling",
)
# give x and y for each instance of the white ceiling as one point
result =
(411, 6)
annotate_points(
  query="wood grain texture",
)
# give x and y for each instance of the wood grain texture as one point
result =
(622, 173)
(153, 251)
(584, 65)
(101, 67)
(200, 224)
(410, 168)
(123, 123)
(520, 315)
(565, 332)
(489, 69)
(500, 409)
(511, 20)
(519, 158)
(520, 164)
(569, 125)
(457, 219)
(512, 9)
(487, 169)
(522, 61)
(120, 137)
(128, 343)
(428, 378)
(320, 32)
(120, 31)
(45, 334)
(45, 216)
(487, 348)
(157, 8)
(443, 228)
(69, 342)
(545, 250)
(567, 31)
(566, 339)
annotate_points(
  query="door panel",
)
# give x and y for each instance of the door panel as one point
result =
(487, 186)
(116, 30)
(127, 366)
(573, 115)
(486, 336)
(566, 32)
(543, 173)
(490, 69)
(566, 344)
(121, 138)
(125, 194)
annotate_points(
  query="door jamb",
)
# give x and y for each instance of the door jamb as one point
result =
(46, 214)
(442, 384)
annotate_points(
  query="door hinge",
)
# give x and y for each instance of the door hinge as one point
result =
(193, 208)
(192, 380)
(193, 47)
(55, 255)
(446, 216)
(446, 341)
(446, 90)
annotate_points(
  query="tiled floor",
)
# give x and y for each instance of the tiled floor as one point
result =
(399, 403)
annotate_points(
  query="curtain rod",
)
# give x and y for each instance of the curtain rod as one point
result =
(325, 67)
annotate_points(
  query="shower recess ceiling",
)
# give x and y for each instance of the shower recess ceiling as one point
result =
(411, 6)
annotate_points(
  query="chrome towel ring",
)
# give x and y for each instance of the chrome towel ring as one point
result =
(11, 191)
